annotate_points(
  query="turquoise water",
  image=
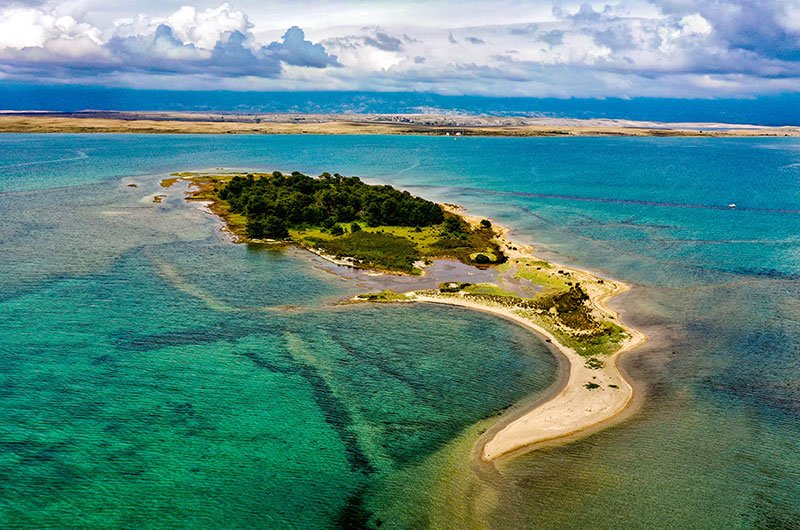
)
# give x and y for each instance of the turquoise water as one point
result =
(152, 371)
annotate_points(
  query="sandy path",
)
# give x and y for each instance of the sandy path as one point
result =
(575, 408)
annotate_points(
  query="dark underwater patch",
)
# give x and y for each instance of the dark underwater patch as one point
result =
(333, 411)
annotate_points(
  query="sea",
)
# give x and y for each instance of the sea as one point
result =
(772, 109)
(155, 374)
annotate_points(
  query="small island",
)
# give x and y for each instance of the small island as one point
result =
(345, 220)
(380, 228)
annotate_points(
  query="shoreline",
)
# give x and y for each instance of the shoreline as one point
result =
(584, 399)
(565, 410)
(364, 124)
(569, 409)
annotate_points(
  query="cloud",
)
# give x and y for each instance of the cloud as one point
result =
(206, 28)
(25, 27)
(212, 42)
(553, 37)
(553, 48)
(382, 41)
(294, 49)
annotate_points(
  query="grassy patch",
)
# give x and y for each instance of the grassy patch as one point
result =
(383, 296)
(466, 244)
(489, 289)
(603, 340)
(453, 287)
(166, 183)
(373, 250)
(539, 273)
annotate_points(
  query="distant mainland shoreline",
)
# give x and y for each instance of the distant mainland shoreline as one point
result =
(351, 124)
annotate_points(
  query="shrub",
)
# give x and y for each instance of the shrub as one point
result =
(267, 226)
(593, 363)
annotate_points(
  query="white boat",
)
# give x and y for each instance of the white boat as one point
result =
(732, 206)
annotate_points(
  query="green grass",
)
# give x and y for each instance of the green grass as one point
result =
(374, 250)
(539, 273)
(488, 288)
(477, 241)
(382, 296)
(593, 363)
(423, 239)
(605, 341)
(425, 242)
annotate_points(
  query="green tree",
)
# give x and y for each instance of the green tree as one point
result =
(267, 226)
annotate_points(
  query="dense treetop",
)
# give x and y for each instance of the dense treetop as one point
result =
(273, 204)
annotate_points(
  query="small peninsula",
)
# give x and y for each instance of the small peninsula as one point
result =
(380, 228)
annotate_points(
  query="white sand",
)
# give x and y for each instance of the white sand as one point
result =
(575, 409)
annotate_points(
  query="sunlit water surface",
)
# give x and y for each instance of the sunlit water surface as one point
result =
(151, 372)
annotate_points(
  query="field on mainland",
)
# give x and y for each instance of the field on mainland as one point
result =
(432, 125)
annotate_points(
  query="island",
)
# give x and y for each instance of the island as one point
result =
(383, 229)
(344, 220)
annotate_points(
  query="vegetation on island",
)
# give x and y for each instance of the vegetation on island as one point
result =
(274, 204)
(368, 226)
(380, 227)
(552, 299)
(382, 296)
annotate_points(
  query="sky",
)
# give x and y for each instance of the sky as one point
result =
(553, 48)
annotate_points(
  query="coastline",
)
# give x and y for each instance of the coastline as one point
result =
(570, 410)
(363, 124)
(586, 397)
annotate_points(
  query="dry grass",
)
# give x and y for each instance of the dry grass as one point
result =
(59, 124)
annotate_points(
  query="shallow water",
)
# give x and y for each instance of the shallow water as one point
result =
(151, 370)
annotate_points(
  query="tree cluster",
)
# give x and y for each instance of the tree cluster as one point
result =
(274, 204)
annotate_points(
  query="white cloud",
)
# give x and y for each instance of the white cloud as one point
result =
(203, 28)
(695, 24)
(27, 27)
(515, 47)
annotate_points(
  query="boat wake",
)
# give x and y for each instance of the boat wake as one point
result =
(81, 156)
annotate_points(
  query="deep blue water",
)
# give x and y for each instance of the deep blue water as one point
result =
(152, 369)
(781, 109)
